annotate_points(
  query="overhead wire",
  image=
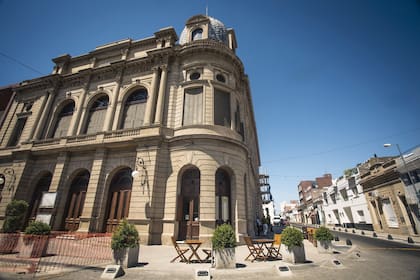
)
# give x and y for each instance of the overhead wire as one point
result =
(21, 63)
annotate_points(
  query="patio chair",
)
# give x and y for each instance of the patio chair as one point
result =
(208, 254)
(254, 252)
(274, 250)
(179, 251)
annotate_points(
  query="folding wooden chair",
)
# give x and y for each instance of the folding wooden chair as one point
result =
(208, 254)
(254, 252)
(274, 250)
(179, 251)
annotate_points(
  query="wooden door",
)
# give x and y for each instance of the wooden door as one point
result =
(75, 209)
(188, 206)
(120, 203)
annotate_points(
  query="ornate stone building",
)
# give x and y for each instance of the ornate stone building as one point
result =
(158, 132)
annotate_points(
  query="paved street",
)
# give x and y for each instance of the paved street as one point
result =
(368, 258)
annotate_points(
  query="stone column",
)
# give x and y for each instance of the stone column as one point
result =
(58, 183)
(93, 214)
(150, 106)
(161, 98)
(110, 114)
(46, 107)
(78, 118)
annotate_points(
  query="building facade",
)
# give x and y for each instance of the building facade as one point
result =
(310, 199)
(158, 132)
(409, 168)
(344, 203)
(387, 202)
(268, 208)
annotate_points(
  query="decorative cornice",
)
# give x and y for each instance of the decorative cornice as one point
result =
(42, 83)
(210, 46)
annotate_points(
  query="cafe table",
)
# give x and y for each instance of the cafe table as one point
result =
(264, 244)
(194, 245)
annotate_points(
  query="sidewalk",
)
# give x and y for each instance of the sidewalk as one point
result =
(154, 263)
(402, 239)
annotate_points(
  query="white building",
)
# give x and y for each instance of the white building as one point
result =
(345, 204)
(410, 174)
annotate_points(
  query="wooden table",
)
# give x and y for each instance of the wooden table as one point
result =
(194, 245)
(264, 245)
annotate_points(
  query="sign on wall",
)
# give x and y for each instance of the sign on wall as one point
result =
(48, 200)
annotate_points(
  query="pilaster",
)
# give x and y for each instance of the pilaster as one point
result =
(150, 106)
(161, 97)
(95, 202)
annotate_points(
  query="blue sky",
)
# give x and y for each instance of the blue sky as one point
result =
(331, 80)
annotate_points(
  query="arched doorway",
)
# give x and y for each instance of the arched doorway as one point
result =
(188, 205)
(118, 199)
(76, 200)
(42, 186)
(223, 195)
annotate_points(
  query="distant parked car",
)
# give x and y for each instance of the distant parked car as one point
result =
(276, 220)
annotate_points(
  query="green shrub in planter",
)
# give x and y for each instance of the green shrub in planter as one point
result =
(323, 234)
(223, 237)
(36, 240)
(292, 237)
(125, 236)
(15, 216)
(38, 228)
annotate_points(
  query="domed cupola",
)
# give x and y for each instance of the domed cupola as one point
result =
(204, 27)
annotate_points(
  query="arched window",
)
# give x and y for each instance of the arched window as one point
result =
(42, 186)
(223, 195)
(76, 200)
(63, 121)
(97, 114)
(197, 34)
(134, 109)
(119, 198)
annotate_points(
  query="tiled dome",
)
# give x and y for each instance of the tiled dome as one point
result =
(217, 31)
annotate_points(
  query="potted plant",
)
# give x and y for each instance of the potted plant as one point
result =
(223, 247)
(324, 237)
(292, 247)
(35, 240)
(125, 245)
(13, 223)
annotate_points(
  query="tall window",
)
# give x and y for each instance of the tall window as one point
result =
(134, 109)
(76, 200)
(17, 132)
(42, 186)
(389, 213)
(193, 106)
(221, 108)
(119, 198)
(63, 122)
(222, 197)
(97, 114)
(197, 34)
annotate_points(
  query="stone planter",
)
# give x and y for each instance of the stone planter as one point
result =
(224, 258)
(324, 246)
(295, 255)
(8, 242)
(34, 246)
(127, 257)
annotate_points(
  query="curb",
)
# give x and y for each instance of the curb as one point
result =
(374, 235)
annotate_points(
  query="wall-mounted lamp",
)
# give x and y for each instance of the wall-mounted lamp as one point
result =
(8, 172)
(140, 170)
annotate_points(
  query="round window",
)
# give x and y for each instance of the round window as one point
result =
(195, 76)
(220, 78)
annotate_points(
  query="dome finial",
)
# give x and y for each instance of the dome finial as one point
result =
(207, 8)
